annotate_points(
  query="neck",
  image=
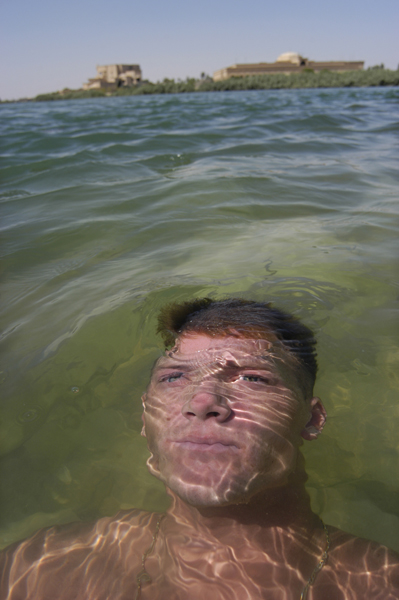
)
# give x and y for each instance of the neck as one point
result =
(277, 526)
(287, 508)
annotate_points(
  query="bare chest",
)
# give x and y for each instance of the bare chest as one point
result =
(225, 575)
(220, 573)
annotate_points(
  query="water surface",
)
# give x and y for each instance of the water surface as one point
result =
(112, 207)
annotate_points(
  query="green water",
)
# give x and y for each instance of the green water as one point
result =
(113, 207)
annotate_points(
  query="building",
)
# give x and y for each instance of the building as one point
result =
(110, 77)
(287, 63)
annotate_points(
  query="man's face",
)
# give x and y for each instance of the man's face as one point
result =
(223, 418)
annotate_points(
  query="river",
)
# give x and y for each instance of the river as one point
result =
(113, 207)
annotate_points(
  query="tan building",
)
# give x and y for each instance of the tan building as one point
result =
(110, 77)
(287, 63)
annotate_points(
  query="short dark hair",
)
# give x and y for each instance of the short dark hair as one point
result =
(243, 318)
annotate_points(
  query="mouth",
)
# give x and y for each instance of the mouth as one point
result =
(205, 445)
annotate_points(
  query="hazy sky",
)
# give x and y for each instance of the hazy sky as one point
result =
(47, 45)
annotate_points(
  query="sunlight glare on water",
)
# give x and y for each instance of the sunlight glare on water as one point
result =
(113, 207)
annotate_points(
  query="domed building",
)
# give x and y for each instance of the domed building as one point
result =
(291, 57)
(288, 62)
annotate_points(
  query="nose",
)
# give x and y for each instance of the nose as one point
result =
(205, 403)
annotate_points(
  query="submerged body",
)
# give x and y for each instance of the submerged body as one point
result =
(101, 562)
(224, 416)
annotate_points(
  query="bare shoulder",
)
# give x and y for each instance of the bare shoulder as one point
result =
(349, 548)
(61, 536)
(63, 549)
(360, 568)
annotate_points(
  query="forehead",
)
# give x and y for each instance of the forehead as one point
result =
(200, 352)
(201, 349)
(192, 344)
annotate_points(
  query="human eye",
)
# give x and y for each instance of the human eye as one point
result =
(171, 377)
(253, 378)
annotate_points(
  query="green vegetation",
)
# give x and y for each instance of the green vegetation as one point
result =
(374, 76)
(70, 95)
(167, 86)
(306, 79)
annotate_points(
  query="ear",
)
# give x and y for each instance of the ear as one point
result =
(318, 417)
(143, 399)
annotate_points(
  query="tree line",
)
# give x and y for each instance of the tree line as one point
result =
(372, 77)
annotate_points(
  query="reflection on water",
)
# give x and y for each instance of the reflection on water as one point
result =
(228, 562)
(112, 208)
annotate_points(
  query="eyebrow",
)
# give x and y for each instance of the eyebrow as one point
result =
(185, 367)
(229, 365)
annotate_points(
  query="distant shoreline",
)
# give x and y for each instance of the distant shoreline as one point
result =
(372, 77)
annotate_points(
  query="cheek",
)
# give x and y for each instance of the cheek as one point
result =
(271, 414)
(159, 419)
(271, 428)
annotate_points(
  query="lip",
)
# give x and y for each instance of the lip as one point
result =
(205, 444)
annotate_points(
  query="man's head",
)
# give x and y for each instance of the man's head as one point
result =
(243, 318)
(227, 407)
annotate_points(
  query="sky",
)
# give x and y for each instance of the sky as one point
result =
(48, 45)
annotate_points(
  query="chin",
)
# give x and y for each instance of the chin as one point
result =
(202, 495)
(213, 488)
